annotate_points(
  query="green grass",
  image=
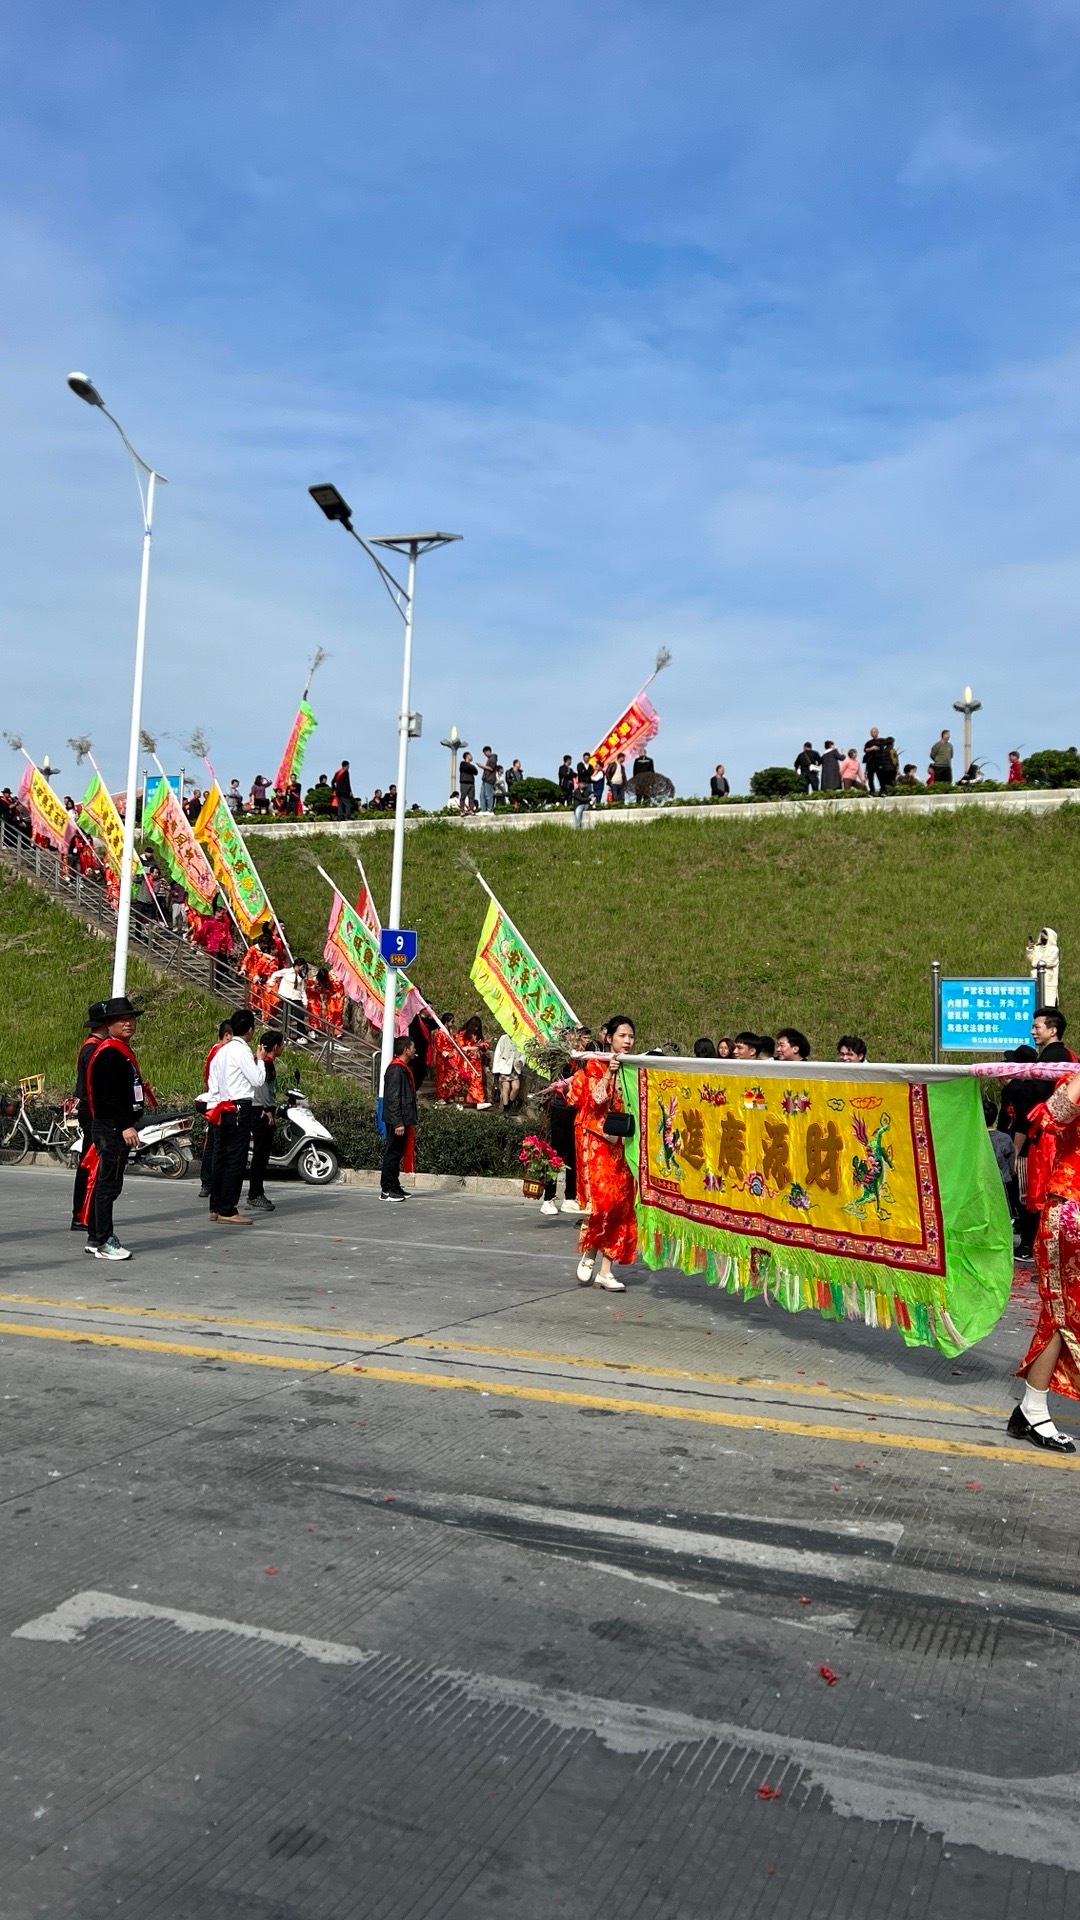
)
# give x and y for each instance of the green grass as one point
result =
(51, 967)
(700, 926)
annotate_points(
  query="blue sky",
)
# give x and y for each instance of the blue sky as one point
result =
(752, 330)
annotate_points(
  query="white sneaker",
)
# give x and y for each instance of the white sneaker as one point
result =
(609, 1283)
(585, 1270)
(569, 1206)
(548, 1206)
(112, 1250)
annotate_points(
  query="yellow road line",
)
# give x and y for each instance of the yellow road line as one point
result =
(553, 1396)
(437, 1345)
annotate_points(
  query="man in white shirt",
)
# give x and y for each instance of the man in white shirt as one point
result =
(290, 984)
(234, 1075)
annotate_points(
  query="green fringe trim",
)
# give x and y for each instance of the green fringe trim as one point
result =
(797, 1278)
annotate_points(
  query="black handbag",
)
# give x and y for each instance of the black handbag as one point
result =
(619, 1126)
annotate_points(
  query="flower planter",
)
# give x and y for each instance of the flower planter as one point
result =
(533, 1189)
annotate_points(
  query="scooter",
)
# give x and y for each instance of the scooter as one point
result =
(164, 1147)
(304, 1143)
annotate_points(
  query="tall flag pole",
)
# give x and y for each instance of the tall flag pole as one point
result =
(638, 725)
(302, 729)
(511, 981)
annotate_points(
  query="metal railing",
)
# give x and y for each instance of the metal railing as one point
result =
(170, 953)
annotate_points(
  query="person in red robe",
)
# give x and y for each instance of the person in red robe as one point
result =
(1053, 1358)
(450, 1071)
(325, 1001)
(473, 1067)
(258, 963)
(605, 1183)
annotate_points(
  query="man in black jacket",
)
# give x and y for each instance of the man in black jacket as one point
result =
(96, 1023)
(399, 1117)
(114, 1095)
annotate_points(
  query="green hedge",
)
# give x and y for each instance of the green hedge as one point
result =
(447, 1141)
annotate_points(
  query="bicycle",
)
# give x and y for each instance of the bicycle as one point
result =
(19, 1135)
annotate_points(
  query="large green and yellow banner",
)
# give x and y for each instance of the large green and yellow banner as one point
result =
(353, 957)
(100, 817)
(871, 1199)
(510, 980)
(234, 869)
(169, 832)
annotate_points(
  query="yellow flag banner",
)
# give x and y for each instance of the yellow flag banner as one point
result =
(48, 815)
(100, 817)
(877, 1200)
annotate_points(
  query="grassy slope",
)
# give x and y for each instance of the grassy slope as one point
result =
(701, 927)
(51, 967)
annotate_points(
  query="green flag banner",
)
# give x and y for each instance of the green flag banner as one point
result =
(876, 1199)
(233, 867)
(510, 980)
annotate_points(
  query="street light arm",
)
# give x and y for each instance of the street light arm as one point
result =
(141, 467)
(398, 594)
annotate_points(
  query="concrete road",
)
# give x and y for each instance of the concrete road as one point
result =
(362, 1564)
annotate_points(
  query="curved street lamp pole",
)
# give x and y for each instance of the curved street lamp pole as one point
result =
(411, 546)
(145, 480)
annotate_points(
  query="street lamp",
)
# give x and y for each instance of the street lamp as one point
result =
(411, 545)
(86, 390)
(456, 745)
(967, 706)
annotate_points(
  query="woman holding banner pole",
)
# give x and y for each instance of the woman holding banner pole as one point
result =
(605, 1181)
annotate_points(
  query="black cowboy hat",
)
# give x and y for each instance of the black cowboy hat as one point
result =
(119, 1009)
(95, 1014)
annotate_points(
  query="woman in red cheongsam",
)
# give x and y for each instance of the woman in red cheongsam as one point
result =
(605, 1182)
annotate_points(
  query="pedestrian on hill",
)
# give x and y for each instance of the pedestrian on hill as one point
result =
(745, 1046)
(719, 785)
(1044, 960)
(477, 1052)
(343, 793)
(872, 758)
(565, 779)
(766, 1047)
(210, 1137)
(467, 771)
(290, 985)
(234, 1076)
(910, 775)
(515, 774)
(234, 799)
(264, 1120)
(192, 806)
(609, 1233)
(704, 1049)
(941, 761)
(259, 797)
(562, 1134)
(399, 1120)
(615, 775)
(889, 764)
(1015, 776)
(851, 1049)
(506, 1068)
(583, 789)
(98, 1030)
(644, 769)
(502, 791)
(830, 768)
(115, 1099)
(723, 1047)
(792, 1045)
(488, 769)
(218, 941)
(851, 773)
(807, 763)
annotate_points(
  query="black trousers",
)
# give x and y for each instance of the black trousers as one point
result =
(107, 1179)
(230, 1160)
(262, 1140)
(561, 1128)
(393, 1155)
(209, 1155)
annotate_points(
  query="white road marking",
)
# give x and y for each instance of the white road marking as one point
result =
(1025, 1819)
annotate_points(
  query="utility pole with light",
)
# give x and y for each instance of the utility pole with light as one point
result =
(456, 745)
(967, 705)
(410, 546)
(144, 473)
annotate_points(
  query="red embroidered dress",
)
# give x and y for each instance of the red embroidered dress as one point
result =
(605, 1184)
(1057, 1246)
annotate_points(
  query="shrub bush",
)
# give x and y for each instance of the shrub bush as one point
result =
(534, 792)
(776, 783)
(1054, 767)
(447, 1141)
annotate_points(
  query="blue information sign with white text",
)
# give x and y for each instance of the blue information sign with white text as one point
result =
(397, 946)
(986, 1016)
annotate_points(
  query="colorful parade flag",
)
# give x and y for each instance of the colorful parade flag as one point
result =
(354, 959)
(169, 832)
(868, 1198)
(510, 980)
(638, 725)
(100, 817)
(293, 757)
(49, 818)
(234, 869)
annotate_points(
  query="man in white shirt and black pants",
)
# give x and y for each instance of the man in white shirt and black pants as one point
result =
(234, 1076)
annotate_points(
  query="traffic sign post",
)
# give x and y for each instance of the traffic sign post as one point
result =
(397, 946)
(976, 1015)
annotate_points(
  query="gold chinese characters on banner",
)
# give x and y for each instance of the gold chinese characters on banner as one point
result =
(840, 1167)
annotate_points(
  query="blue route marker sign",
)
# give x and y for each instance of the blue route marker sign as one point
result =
(397, 946)
(986, 1016)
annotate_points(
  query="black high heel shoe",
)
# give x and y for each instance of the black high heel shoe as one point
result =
(1021, 1428)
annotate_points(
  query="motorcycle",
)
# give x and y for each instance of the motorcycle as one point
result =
(164, 1148)
(303, 1142)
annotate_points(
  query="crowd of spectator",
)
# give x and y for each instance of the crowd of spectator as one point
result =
(879, 769)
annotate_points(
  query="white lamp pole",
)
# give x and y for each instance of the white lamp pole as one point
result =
(411, 545)
(967, 705)
(86, 390)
